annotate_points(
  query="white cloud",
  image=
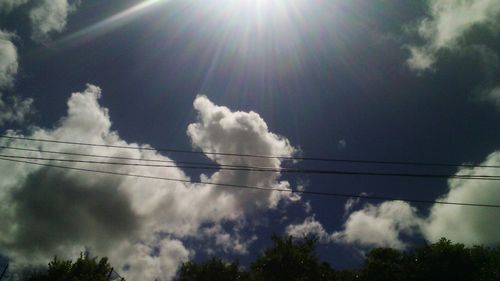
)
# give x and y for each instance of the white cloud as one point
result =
(138, 223)
(8, 60)
(159, 259)
(310, 226)
(469, 225)
(12, 109)
(219, 129)
(382, 225)
(229, 242)
(445, 26)
(373, 226)
(421, 58)
(50, 16)
(8, 5)
(379, 225)
(46, 16)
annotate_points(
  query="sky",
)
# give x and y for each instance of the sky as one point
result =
(384, 80)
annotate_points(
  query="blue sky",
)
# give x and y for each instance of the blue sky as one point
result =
(373, 80)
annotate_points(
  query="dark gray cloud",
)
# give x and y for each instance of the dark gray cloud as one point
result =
(52, 209)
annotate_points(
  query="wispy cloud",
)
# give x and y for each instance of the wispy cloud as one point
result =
(446, 24)
(15, 109)
(8, 5)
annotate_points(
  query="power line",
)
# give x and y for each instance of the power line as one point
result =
(196, 165)
(123, 157)
(201, 166)
(85, 154)
(321, 159)
(261, 188)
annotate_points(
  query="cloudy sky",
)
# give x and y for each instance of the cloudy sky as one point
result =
(379, 80)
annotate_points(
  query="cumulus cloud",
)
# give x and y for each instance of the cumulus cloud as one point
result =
(219, 129)
(46, 16)
(12, 109)
(153, 260)
(379, 225)
(445, 26)
(373, 226)
(469, 225)
(50, 16)
(310, 226)
(139, 223)
(8, 59)
(383, 225)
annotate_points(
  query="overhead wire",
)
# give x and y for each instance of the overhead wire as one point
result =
(201, 166)
(321, 159)
(120, 157)
(260, 188)
(198, 165)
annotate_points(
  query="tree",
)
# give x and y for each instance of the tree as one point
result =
(84, 268)
(383, 264)
(290, 260)
(487, 262)
(212, 270)
(345, 275)
(445, 260)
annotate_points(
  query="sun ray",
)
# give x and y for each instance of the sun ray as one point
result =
(109, 24)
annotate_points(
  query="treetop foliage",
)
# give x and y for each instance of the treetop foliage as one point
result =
(296, 260)
(84, 268)
(289, 259)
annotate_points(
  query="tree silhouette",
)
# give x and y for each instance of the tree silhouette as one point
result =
(212, 270)
(445, 260)
(84, 268)
(383, 264)
(291, 260)
(295, 260)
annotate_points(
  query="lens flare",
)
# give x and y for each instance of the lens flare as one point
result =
(111, 23)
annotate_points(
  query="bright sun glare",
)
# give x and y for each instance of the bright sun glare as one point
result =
(242, 24)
